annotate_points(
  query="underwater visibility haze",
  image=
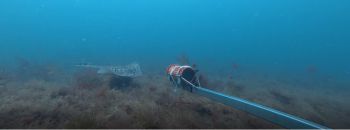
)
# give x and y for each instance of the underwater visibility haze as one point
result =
(291, 55)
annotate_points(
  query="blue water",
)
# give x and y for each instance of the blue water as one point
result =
(260, 35)
(282, 39)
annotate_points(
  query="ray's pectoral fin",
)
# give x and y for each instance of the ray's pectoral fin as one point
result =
(103, 71)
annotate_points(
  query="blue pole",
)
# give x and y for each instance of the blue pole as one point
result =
(280, 118)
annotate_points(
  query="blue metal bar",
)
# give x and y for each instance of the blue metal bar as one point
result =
(280, 118)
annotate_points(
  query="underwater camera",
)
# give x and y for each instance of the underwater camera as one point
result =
(186, 77)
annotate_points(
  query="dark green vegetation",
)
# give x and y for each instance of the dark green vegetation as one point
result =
(47, 97)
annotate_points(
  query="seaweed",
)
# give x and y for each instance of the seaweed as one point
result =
(62, 92)
(85, 121)
(27, 70)
(90, 102)
(203, 80)
(183, 59)
(284, 99)
(203, 111)
(6, 75)
(234, 87)
(87, 79)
